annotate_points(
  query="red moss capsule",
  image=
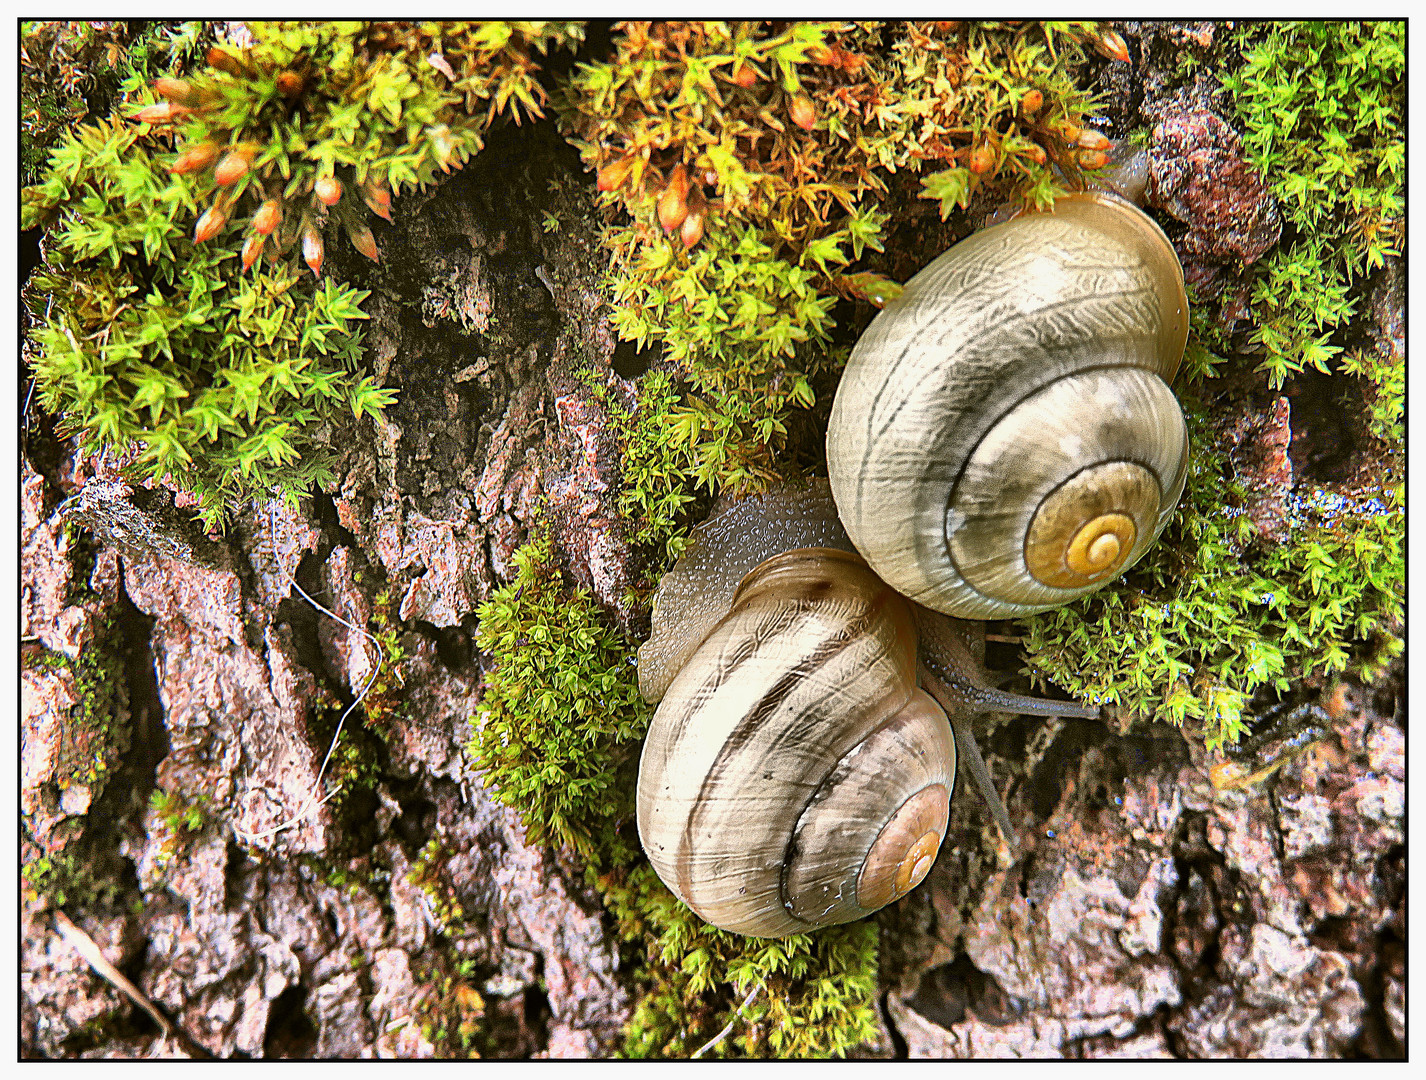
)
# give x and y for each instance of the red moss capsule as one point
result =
(745, 76)
(803, 112)
(268, 216)
(364, 241)
(289, 83)
(312, 249)
(1032, 102)
(377, 196)
(194, 158)
(232, 168)
(1112, 45)
(251, 250)
(209, 225)
(983, 159)
(614, 174)
(179, 91)
(1093, 159)
(329, 190)
(673, 203)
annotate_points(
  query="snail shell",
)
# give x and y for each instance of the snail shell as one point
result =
(1003, 439)
(794, 775)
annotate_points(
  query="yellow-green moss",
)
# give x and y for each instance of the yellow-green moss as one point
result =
(560, 708)
(1323, 106)
(787, 176)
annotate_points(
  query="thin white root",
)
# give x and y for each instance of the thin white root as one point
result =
(724, 1033)
(313, 802)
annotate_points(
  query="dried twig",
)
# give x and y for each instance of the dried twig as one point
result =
(733, 1020)
(86, 947)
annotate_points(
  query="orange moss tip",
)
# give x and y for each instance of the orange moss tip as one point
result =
(164, 112)
(377, 196)
(691, 231)
(1093, 159)
(194, 158)
(179, 91)
(803, 112)
(312, 249)
(983, 159)
(1093, 140)
(615, 173)
(1112, 45)
(268, 215)
(1032, 102)
(209, 225)
(673, 203)
(225, 61)
(232, 168)
(363, 240)
(329, 190)
(251, 250)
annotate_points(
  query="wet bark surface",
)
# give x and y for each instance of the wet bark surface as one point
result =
(1164, 903)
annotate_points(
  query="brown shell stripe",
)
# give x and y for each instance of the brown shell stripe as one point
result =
(770, 702)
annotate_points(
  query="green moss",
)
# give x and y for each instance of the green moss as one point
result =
(92, 741)
(656, 465)
(71, 72)
(427, 874)
(816, 993)
(181, 817)
(560, 709)
(1323, 106)
(92, 738)
(223, 380)
(65, 878)
(152, 346)
(753, 161)
(556, 732)
(1213, 613)
(450, 1010)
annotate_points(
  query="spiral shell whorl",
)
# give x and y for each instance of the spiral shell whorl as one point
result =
(766, 762)
(970, 356)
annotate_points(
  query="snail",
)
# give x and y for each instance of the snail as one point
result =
(795, 774)
(1003, 441)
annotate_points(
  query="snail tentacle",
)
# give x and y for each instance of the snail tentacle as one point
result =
(970, 754)
(965, 680)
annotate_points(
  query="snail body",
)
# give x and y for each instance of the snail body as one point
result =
(796, 772)
(1003, 439)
